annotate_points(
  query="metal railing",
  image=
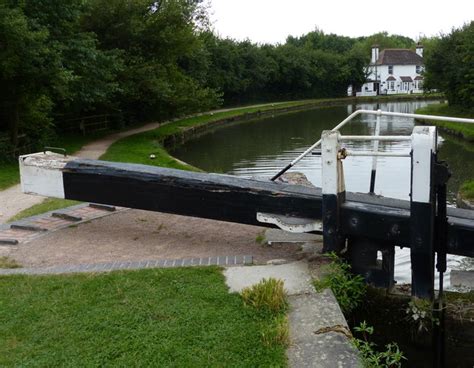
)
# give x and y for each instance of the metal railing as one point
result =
(378, 113)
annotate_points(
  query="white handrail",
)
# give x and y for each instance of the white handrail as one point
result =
(371, 112)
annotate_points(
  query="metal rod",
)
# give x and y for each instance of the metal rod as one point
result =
(305, 153)
(417, 116)
(373, 153)
(370, 112)
(374, 158)
(375, 138)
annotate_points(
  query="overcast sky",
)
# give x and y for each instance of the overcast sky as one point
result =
(271, 21)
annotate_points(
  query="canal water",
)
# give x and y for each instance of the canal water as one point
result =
(259, 148)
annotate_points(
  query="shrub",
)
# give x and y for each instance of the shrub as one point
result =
(348, 289)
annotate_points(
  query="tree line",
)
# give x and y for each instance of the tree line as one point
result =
(152, 60)
(449, 64)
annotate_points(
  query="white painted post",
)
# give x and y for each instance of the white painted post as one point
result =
(333, 190)
(422, 210)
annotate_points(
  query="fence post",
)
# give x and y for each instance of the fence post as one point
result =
(333, 191)
(422, 211)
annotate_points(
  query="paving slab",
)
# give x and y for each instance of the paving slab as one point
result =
(319, 333)
(295, 275)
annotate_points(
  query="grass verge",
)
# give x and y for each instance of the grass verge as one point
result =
(465, 131)
(162, 317)
(467, 190)
(49, 204)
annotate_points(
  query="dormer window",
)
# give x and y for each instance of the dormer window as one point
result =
(390, 69)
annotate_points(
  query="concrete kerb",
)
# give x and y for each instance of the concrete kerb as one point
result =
(224, 261)
(319, 334)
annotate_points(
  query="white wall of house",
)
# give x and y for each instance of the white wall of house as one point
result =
(381, 73)
(397, 86)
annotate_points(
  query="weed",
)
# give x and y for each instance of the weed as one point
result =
(348, 289)
(420, 313)
(260, 239)
(268, 296)
(371, 358)
(277, 333)
(6, 262)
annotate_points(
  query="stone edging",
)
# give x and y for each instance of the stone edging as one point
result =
(131, 265)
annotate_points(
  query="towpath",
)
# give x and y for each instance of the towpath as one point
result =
(13, 201)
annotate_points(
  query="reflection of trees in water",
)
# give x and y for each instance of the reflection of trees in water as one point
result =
(268, 144)
(459, 155)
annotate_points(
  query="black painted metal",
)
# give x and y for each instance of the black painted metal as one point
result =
(372, 181)
(333, 238)
(422, 239)
(362, 254)
(229, 198)
(442, 175)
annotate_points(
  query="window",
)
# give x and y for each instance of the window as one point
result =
(418, 69)
(390, 69)
(391, 85)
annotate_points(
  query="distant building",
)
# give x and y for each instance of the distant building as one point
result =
(393, 71)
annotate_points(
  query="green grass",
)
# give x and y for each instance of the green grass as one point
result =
(466, 131)
(49, 204)
(6, 262)
(148, 318)
(9, 174)
(137, 148)
(467, 190)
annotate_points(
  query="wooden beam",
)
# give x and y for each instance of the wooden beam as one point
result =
(226, 198)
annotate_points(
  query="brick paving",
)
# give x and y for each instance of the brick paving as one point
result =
(224, 261)
(23, 231)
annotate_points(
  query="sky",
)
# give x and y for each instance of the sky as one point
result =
(271, 21)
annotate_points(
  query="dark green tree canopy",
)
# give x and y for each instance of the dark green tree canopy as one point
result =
(152, 60)
(450, 66)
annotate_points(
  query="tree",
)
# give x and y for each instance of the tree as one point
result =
(450, 66)
(28, 70)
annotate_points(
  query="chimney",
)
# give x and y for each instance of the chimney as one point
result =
(419, 49)
(375, 54)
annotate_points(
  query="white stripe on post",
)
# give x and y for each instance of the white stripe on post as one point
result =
(41, 174)
(423, 146)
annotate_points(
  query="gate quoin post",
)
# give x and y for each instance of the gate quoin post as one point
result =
(422, 210)
(333, 190)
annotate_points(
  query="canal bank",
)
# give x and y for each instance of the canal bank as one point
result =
(152, 147)
(463, 135)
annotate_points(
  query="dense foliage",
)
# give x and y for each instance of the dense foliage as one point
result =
(151, 60)
(450, 66)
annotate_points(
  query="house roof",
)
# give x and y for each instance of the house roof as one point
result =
(418, 77)
(399, 57)
(391, 78)
(406, 79)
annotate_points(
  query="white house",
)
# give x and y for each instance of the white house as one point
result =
(393, 71)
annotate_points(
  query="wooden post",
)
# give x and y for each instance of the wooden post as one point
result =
(333, 191)
(422, 211)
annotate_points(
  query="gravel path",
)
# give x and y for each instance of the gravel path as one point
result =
(13, 200)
